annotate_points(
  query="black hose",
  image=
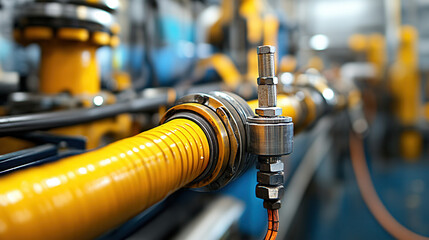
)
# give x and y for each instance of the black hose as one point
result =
(40, 121)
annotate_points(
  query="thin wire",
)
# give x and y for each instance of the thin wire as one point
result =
(370, 196)
(270, 225)
(275, 228)
(273, 224)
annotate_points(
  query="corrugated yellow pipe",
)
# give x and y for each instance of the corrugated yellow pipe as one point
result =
(85, 195)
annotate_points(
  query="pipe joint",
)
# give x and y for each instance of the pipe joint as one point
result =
(224, 114)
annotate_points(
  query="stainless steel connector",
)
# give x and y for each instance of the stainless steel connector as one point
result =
(266, 61)
(270, 135)
(267, 83)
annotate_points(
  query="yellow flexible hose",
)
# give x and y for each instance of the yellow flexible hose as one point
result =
(83, 196)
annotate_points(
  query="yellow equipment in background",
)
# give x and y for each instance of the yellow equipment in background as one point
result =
(403, 80)
(405, 86)
(68, 60)
(261, 28)
(374, 48)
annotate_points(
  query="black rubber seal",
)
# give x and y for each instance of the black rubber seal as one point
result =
(211, 137)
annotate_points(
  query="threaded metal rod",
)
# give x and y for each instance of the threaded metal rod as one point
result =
(267, 81)
(266, 61)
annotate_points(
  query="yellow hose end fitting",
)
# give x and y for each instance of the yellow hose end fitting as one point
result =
(222, 116)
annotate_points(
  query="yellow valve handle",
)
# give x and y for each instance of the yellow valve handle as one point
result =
(83, 196)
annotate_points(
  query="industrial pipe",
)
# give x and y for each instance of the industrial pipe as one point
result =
(304, 108)
(85, 195)
(201, 144)
(10, 125)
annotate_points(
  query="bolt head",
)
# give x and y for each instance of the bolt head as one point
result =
(269, 192)
(269, 112)
(272, 204)
(271, 167)
(266, 49)
(272, 179)
(201, 99)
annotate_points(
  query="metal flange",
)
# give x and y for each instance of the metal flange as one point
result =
(67, 20)
(232, 112)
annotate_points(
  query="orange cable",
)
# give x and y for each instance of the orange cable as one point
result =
(275, 227)
(369, 195)
(270, 225)
(273, 224)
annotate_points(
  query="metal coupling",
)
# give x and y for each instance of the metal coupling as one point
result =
(222, 116)
(270, 135)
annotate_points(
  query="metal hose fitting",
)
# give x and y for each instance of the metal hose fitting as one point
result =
(270, 134)
(225, 114)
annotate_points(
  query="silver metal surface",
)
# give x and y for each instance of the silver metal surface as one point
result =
(269, 134)
(108, 4)
(233, 111)
(269, 192)
(266, 65)
(274, 165)
(267, 81)
(269, 111)
(270, 139)
(267, 96)
(266, 61)
(66, 11)
(266, 49)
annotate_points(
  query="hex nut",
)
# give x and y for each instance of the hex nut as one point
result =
(270, 178)
(267, 96)
(269, 112)
(269, 192)
(271, 167)
(266, 49)
(268, 80)
(272, 205)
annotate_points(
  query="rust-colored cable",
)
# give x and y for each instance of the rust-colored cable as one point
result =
(270, 224)
(85, 195)
(275, 228)
(273, 224)
(369, 195)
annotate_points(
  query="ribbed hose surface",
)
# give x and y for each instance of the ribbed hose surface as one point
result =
(86, 195)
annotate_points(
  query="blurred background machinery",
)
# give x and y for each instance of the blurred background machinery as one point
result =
(184, 119)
